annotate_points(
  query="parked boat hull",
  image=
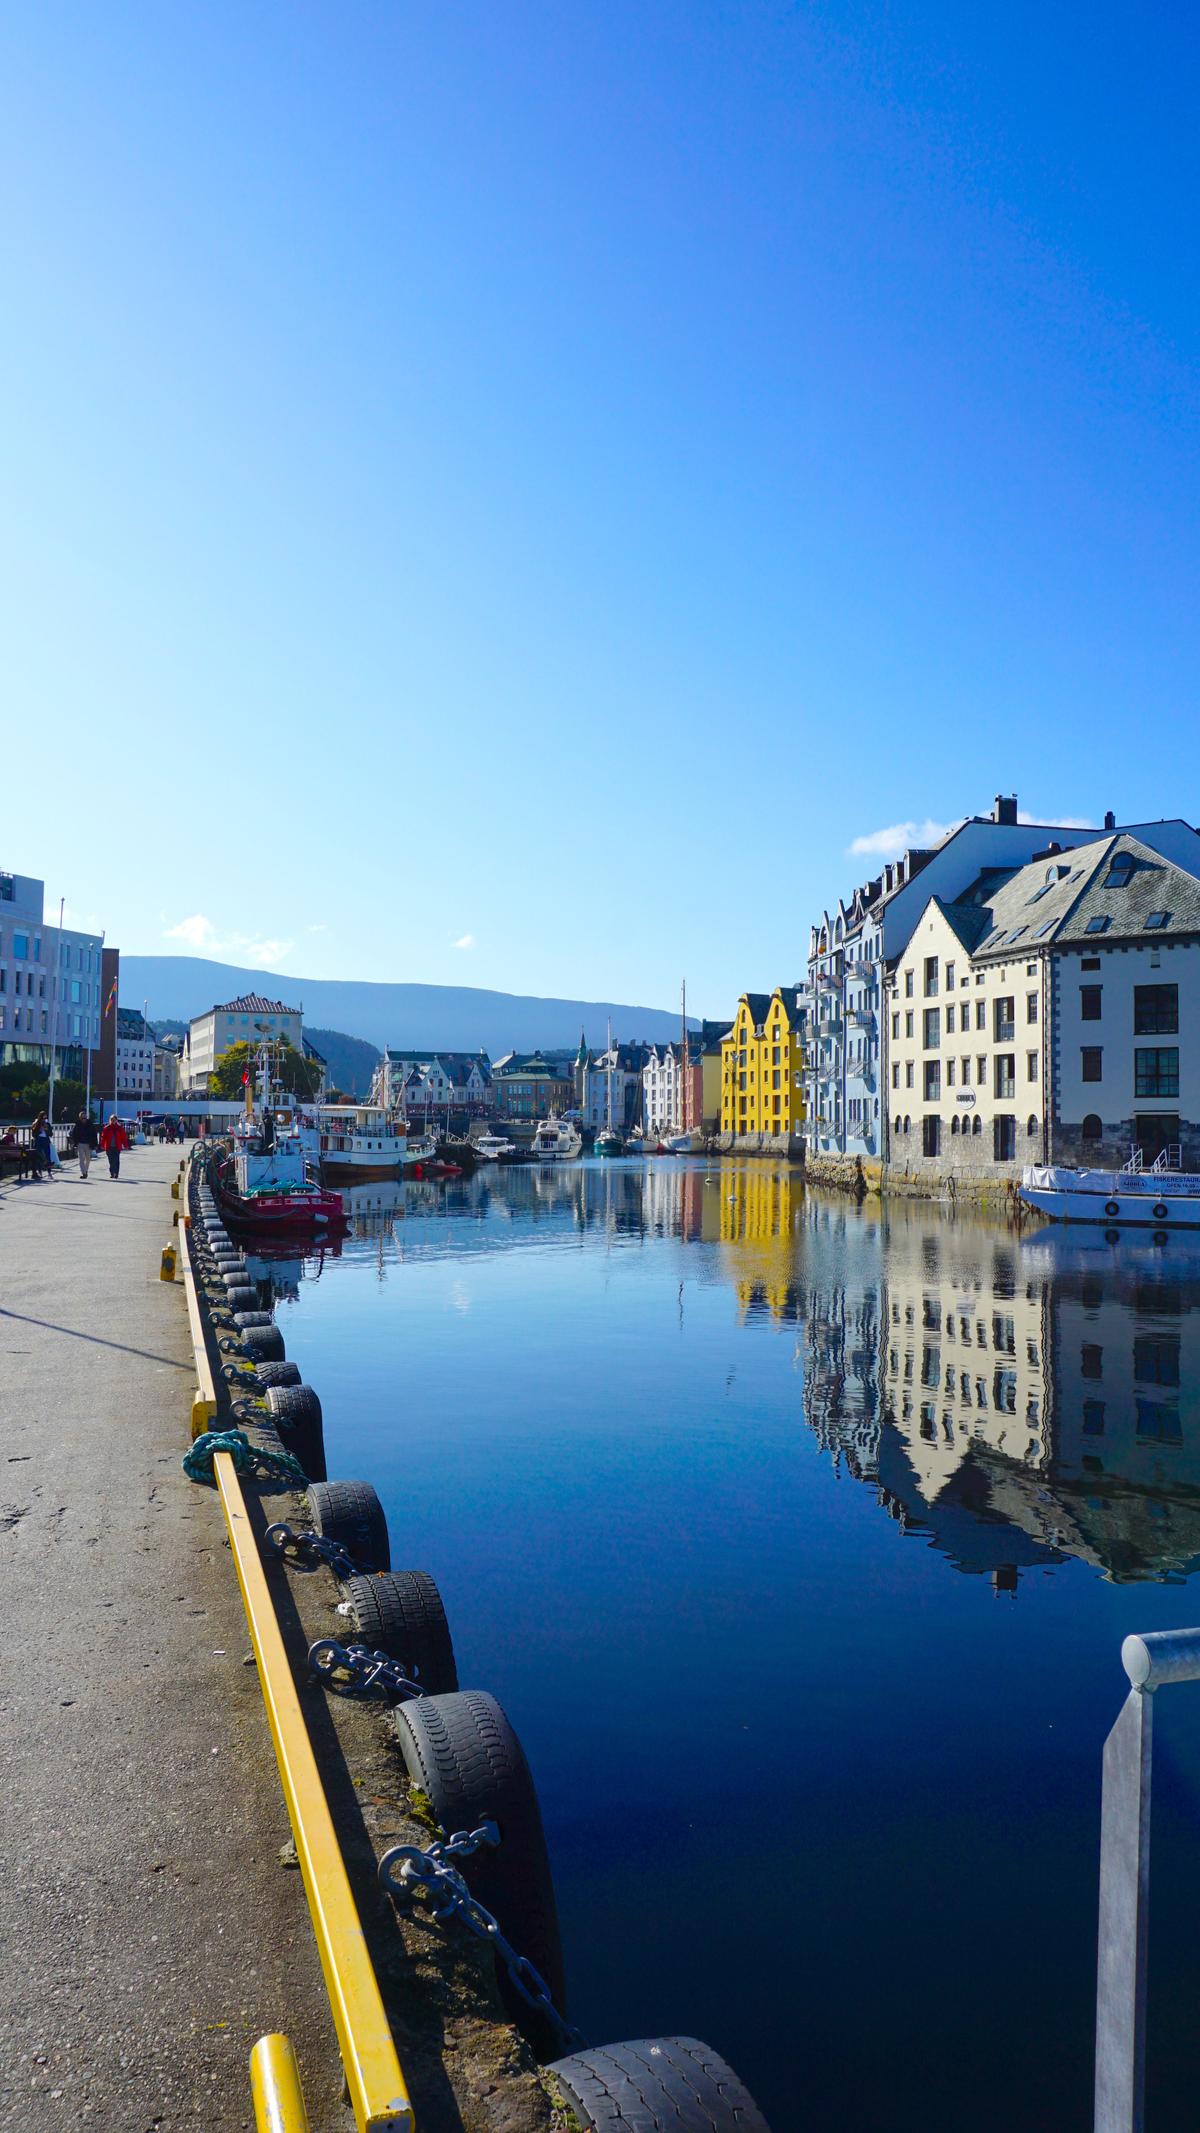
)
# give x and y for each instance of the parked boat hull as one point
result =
(1114, 1199)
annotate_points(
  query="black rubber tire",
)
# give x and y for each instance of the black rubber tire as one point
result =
(674, 2083)
(294, 1407)
(263, 1344)
(401, 1613)
(350, 1512)
(243, 1320)
(277, 1374)
(1112, 1207)
(243, 1298)
(465, 1757)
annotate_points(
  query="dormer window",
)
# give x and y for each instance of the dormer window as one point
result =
(1156, 921)
(1099, 923)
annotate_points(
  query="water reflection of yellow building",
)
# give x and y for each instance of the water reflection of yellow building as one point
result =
(759, 1211)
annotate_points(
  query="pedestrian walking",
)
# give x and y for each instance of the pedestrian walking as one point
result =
(83, 1140)
(113, 1139)
(43, 1152)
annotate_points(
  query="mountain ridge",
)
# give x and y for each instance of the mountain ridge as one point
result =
(463, 1018)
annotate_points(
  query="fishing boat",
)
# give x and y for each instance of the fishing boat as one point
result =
(361, 1141)
(1161, 1198)
(420, 1152)
(263, 1183)
(556, 1141)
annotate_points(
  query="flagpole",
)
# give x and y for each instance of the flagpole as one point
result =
(62, 904)
(88, 1098)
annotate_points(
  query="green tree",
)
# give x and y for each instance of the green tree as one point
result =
(299, 1076)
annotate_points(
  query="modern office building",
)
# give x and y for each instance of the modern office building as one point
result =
(50, 984)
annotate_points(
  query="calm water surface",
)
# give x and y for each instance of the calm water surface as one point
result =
(798, 1543)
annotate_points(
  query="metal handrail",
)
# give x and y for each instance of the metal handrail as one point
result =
(1152, 1662)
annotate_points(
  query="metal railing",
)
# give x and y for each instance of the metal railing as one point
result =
(1151, 1662)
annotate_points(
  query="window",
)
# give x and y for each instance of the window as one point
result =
(908, 984)
(908, 1074)
(966, 1072)
(21, 946)
(1032, 1127)
(1006, 1074)
(1156, 1070)
(1091, 1128)
(1089, 962)
(977, 1125)
(950, 1073)
(1155, 1010)
(896, 1028)
(950, 1021)
(1156, 1358)
(1091, 1060)
(1016, 933)
(981, 1070)
(908, 1021)
(954, 1123)
(1005, 1012)
(931, 976)
(1031, 1007)
(1004, 1138)
(932, 1034)
(931, 1136)
(1120, 867)
(1098, 923)
(1089, 1002)
(896, 1075)
(1156, 921)
(1031, 1066)
(933, 1080)
(907, 1123)
(896, 1123)
(1093, 1418)
(1091, 1360)
(1157, 1424)
(949, 977)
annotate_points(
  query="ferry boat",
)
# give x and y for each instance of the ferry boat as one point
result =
(361, 1141)
(1160, 1198)
(556, 1141)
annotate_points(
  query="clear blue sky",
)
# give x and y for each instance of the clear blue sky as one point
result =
(550, 478)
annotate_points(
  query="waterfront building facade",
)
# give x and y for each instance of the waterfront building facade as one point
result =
(135, 1055)
(1051, 1015)
(50, 984)
(612, 1087)
(672, 1088)
(527, 1085)
(432, 1080)
(762, 1068)
(250, 1019)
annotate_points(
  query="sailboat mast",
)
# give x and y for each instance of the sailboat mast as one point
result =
(687, 1064)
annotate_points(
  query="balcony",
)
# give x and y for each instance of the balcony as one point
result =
(862, 1017)
(828, 981)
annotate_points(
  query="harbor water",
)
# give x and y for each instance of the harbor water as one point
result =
(799, 1542)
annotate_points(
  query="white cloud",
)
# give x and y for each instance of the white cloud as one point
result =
(897, 837)
(466, 940)
(200, 934)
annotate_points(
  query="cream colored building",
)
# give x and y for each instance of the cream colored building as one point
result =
(966, 1064)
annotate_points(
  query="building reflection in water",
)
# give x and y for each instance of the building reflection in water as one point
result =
(1018, 1401)
(1024, 1403)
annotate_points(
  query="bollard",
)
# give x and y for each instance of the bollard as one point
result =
(166, 1271)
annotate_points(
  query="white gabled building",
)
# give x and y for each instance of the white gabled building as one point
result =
(663, 1078)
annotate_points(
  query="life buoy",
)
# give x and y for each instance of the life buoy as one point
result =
(1161, 1213)
(1112, 1207)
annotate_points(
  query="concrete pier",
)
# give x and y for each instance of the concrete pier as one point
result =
(150, 1932)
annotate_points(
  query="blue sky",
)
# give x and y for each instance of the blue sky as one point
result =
(513, 494)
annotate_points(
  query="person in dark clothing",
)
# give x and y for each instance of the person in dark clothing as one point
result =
(84, 1139)
(43, 1154)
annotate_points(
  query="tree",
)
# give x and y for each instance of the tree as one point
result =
(299, 1076)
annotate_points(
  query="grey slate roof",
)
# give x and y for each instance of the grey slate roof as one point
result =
(1049, 902)
(253, 1003)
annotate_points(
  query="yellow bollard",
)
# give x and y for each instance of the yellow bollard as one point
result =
(175, 1189)
(166, 1271)
(275, 2087)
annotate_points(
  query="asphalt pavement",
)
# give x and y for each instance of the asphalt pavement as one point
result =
(149, 1928)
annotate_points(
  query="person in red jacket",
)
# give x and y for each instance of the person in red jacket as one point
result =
(112, 1140)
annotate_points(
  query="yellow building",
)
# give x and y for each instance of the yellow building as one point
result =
(762, 1067)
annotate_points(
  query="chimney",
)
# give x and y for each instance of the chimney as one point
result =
(1005, 809)
(1110, 820)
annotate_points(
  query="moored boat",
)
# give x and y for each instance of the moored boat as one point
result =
(1116, 1199)
(609, 1143)
(361, 1141)
(493, 1148)
(556, 1141)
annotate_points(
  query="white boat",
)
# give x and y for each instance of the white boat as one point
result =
(680, 1143)
(1158, 1198)
(491, 1147)
(422, 1148)
(556, 1141)
(361, 1141)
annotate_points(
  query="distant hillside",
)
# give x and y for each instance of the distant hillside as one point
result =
(351, 1061)
(455, 1017)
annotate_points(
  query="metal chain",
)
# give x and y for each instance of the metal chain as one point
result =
(306, 1550)
(406, 1871)
(253, 1459)
(355, 1670)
